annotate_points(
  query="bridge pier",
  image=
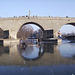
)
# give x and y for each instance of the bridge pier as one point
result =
(12, 35)
(56, 34)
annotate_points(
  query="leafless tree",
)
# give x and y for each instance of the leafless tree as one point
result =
(25, 32)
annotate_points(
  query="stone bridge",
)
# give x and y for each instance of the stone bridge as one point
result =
(13, 24)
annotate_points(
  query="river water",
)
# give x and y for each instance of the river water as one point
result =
(44, 59)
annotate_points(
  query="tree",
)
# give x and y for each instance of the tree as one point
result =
(25, 32)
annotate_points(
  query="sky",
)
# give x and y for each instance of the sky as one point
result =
(67, 29)
(61, 8)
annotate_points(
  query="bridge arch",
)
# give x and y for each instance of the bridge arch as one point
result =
(34, 24)
(67, 28)
(72, 23)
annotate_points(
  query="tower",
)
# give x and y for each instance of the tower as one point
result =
(29, 13)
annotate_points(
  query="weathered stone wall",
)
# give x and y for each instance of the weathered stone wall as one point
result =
(13, 24)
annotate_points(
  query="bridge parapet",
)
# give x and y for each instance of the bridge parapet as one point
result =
(50, 18)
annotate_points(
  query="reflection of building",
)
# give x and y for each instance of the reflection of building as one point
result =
(1, 50)
(48, 48)
(6, 49)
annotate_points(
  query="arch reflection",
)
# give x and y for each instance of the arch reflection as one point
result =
(36, 51)
(32, 52)
(67, 50)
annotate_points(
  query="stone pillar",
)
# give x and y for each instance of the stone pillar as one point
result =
(55, 34)
(12, 35)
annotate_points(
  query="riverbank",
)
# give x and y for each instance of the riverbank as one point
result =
(16, 41)
(10, 41)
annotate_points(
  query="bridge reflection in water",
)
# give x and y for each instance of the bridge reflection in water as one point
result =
(43, 57)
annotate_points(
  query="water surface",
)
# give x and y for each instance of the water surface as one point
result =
(44, 59)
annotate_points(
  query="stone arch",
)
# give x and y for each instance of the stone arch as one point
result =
(62, 24)
(72, 23)
(69, 23)
(31, 23)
